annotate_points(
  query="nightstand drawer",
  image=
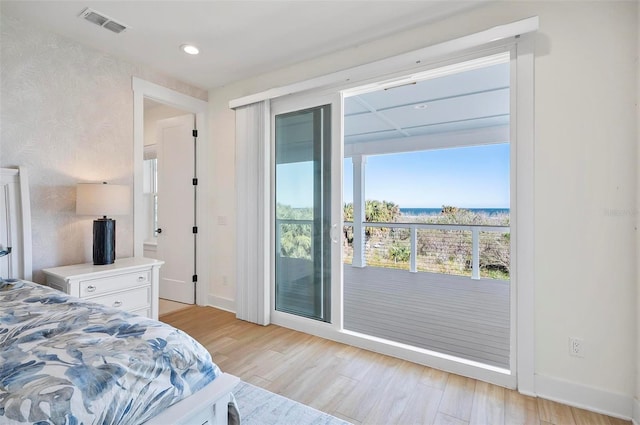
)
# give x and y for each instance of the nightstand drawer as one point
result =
(133, 299)
(130, 284)
(146, 312)
(91, 287)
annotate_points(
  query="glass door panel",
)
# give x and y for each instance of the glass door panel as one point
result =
(303, 212)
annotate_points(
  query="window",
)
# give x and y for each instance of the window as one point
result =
(150, 191)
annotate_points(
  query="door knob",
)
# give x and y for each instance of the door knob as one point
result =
(158, 231)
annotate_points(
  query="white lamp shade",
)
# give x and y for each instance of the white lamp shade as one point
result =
(102, 199)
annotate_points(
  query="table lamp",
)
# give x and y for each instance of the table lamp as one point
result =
(103, 199)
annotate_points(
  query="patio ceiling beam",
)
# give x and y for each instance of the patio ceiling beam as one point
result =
(359, 167)
(452, 139)
(380, 115)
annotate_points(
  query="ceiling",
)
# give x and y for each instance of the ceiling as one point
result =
(467, 100)
(237, 39)
(241, 39)
(403, 118)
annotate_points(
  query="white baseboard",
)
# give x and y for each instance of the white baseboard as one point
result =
(636, 411)
(222, 303)
(584, 397)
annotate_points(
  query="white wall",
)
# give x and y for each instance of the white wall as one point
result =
(67, 115)
(585, 180)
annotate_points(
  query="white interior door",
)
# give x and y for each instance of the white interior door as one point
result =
(176, 206)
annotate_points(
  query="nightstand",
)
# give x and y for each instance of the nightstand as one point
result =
(130, 284)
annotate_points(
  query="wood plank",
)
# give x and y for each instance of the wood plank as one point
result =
(399, 389)
(555, 413)
(585, 417)
(360, 386)
(488, 405)
(434, 378)
(449, 314)
(457, 400)
(444, 419)
(520, 409)
(422, 406)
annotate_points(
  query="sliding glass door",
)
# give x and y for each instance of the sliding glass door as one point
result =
(303, 212)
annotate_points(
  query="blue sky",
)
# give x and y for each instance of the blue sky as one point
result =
(471, 177)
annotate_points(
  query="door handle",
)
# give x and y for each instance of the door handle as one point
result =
(158, 231)
(333, 233)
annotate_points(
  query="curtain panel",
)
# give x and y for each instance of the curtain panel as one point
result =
(253, 209)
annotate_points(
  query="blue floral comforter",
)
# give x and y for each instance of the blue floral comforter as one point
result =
(67, 361)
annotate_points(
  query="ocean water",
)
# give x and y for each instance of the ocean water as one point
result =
(436, 211)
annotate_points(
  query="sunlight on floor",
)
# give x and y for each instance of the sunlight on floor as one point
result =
(168, 306)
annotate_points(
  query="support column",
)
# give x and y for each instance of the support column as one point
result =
(475, 254)
(359, 162)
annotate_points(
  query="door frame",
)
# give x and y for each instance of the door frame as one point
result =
(522, 364)
(144, 89)
(283, 106)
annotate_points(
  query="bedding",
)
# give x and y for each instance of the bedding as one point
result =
(66, 361)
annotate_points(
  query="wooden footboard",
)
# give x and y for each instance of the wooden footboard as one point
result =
(208, 405)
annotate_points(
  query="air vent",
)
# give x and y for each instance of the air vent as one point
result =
(102, 20)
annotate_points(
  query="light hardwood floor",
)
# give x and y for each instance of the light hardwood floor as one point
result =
(361, 386)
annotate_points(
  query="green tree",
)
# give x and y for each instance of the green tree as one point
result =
(375, 212)
(295, 239)
(399, 253)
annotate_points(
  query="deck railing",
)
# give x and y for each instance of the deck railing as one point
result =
(360, 260)
(303, 228)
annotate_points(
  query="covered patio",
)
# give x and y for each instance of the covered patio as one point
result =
(455, 315)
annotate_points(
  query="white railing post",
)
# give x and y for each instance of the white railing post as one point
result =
(414, 250)
(475, 253)
(359, 259)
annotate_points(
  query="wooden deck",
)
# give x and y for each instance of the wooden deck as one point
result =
(449, 314)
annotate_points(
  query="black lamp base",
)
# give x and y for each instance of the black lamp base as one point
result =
(104, 241)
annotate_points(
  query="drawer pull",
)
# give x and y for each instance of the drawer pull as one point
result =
(91, 288)
(117, 303)
(140, 278)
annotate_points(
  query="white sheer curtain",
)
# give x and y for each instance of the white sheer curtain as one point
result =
(253, 207)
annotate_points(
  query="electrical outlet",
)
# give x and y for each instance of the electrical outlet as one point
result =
(576, 347)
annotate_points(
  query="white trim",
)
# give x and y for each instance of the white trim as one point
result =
(430, 74)
(25, 201)
(144, 89)
(151, 151)
(208, 405)
(523, 333)
(222, 303)
(404, 61)
(636, 411)
(584, 397)
(476, 137)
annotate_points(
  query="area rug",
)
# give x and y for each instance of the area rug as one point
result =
(261, 407)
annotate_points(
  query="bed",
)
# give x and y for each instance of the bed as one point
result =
(66, 361)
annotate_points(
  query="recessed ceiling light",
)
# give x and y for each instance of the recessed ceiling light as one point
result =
(190, 49)
(421, 106)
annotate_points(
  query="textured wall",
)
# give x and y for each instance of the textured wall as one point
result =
(585, 176)
(66, 113)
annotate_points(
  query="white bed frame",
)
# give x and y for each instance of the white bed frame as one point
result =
(15, 224)
(207, 406)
